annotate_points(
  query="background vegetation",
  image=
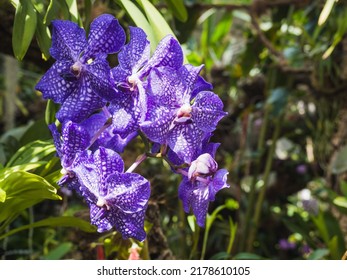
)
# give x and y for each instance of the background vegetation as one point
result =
(280, 68)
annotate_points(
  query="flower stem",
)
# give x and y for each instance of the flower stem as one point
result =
(252, 193)
(261, 196)
(137, 162)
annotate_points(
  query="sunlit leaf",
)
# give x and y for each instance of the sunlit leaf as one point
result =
(222, 28)
(341, 201)
(32, 152)
(2, 195)
(329, 4)
(140, 20)
(73, 9)
(192, 222)
(156, 20)
(23, 28)
(23, 190)
(43, 36)
(178, 9)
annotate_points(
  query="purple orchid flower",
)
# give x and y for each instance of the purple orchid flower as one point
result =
(116, 199)
(177, 115)
(129, 107)
(200, 186)
(80, 78)
(75, 139)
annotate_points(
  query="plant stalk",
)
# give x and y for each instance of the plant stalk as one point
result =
(261, 196)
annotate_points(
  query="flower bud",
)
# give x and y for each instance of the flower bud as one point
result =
(204, 165)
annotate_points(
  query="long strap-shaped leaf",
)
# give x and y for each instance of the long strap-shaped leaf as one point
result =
(55, 222)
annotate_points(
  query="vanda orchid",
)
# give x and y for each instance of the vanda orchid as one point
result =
(158, 97)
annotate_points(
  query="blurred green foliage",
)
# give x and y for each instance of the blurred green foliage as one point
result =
(280, 68)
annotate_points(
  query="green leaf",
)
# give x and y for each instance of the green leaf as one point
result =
(51, 12)
(23, 190)
(87, 13)
(73, 10)
(222, 28)
(43, 36)
(36, 131)
(32, 152)
(330, 231)
(329, 4)
(341, 201)
(220, 256)
(178, 9)
(192, 222)
(343, 187)
(2, 195)
(23, 28)
(140, 20)
(339, 164)
(55, 222)
(278, 100)
(318, 254)
(60, 251)
(51, 110)
(247, 256)
(156, 20)
(54, 177)
(23, 167)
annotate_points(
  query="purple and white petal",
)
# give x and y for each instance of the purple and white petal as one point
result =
(185, 139)
(130, 225)
(119, 77)
(94, 123)
(127, 191)
(166, 85)
(118, 144)
(136, 53)
(75, 140)
(185, 191)
(107, 162)
(200, 201)
(168, 53)
(125, 114)
(207, 146)
(99, 75)
(207, 110)
(219, 182)
(88, 178)
(53, 85)
(189, 74)
(56, 138)
(100, 217)
(200, 85)
(80, 104)
(106, 36)
(68, 40)
(157, 128)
